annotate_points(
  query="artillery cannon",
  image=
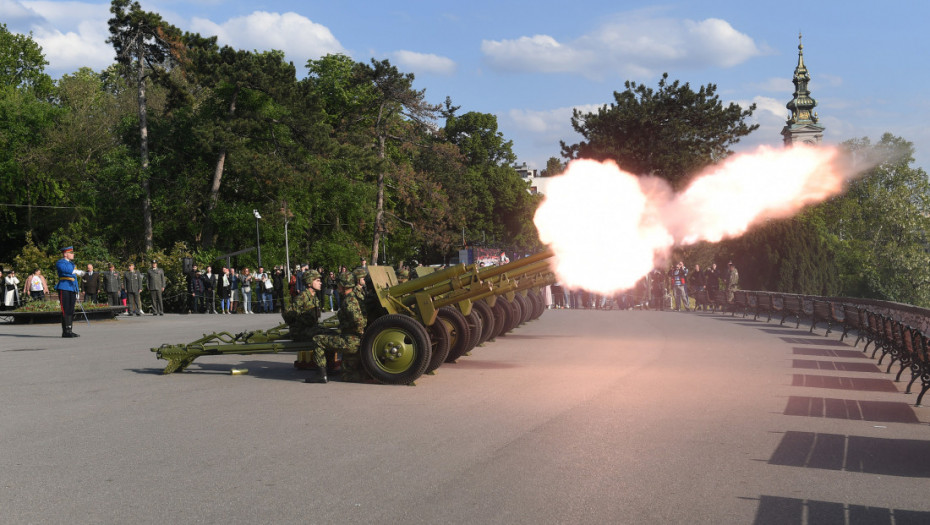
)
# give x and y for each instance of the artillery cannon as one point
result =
(413, 327)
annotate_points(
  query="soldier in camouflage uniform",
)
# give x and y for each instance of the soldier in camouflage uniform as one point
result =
(303, 315)
(347, 340)
(361, 291)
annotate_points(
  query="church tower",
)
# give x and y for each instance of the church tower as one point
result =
(802, 126)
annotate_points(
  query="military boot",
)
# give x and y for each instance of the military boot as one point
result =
(320, 376)
(66, 327)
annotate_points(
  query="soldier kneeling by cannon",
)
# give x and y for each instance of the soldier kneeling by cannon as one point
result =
(303, 315)
(347, 340)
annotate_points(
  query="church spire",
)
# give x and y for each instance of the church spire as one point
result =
(801, 125)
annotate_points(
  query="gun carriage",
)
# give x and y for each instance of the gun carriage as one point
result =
(412, 327)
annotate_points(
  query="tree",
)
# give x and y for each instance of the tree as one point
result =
(26, 114)
(397, 113)
(22, 64)
(553, 167)
(498, 203)
(879, 226)
(143, 43)
(671, 133)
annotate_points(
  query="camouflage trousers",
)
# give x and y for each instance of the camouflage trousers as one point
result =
(328, 344)
(300, 332)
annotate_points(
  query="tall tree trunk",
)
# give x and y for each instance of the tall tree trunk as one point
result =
(207, 233)
(144, 148)
(379, 214)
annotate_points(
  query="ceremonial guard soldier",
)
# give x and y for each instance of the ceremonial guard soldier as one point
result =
(156, 283)
(67, 289)
(112, 284)
(132, 283)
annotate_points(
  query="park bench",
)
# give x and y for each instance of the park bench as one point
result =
(792, 305)
(875, 331)
(718, 299)
(920, 366)
(740, 302)
(701, 299)
(764, 305)
(893, 341)
(852, 316)
(821, 311)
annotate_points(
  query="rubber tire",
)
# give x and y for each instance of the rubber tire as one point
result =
(390, 330)
(475, 328)
(460, 335)
(540, 305)
(502, 316)
(439, 349)
(487, 320)
(516, 314)
(525, 308)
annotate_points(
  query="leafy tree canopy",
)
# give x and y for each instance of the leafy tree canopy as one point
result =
(671, 132)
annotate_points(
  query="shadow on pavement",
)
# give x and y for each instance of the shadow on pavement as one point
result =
(888, 457)
(850, 409)
(844, 383)
(774, 510)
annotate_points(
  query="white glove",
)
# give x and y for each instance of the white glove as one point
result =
(79, 273)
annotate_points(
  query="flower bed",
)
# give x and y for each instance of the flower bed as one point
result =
(50, 312)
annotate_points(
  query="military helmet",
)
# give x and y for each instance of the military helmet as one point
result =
(310, 275)
(346, 279)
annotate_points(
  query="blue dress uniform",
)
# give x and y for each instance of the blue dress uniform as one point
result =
(67, 291)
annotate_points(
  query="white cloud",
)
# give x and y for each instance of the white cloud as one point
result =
(627, 44)
(550, 122)
(424, 63)
(540, 53)
(72, 34)
(300, 38)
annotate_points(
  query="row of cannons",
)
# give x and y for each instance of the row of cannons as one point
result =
(889, 335)
(413, 327)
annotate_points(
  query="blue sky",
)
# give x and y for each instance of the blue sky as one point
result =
(530, 63)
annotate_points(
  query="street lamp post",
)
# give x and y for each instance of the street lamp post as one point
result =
(258, 239)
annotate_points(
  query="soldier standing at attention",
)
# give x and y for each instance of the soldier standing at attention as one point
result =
(132, 283)
(156, 284)
(67, 289)
(303, 315)
(732, 281)
(347, 341)
(112, 284)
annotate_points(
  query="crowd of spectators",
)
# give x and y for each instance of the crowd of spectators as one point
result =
(678, 288)
(212, 290)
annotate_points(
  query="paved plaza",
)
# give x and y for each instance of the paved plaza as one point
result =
(580, 417)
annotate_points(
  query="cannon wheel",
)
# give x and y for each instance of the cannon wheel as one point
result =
(440, 339)
(395, 349)
(516, 314)
(458, 329)
(483, 311)
(502, 315)
(525, 309)
(540, 306)
(475, 328)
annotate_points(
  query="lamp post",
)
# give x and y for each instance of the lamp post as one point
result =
(258, 239)
(287, 248)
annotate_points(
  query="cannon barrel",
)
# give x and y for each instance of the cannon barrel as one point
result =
(427, 281)
(491, 271)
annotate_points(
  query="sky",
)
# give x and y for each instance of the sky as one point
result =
(531, 63)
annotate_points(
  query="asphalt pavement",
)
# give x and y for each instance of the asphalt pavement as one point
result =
(578, 417)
